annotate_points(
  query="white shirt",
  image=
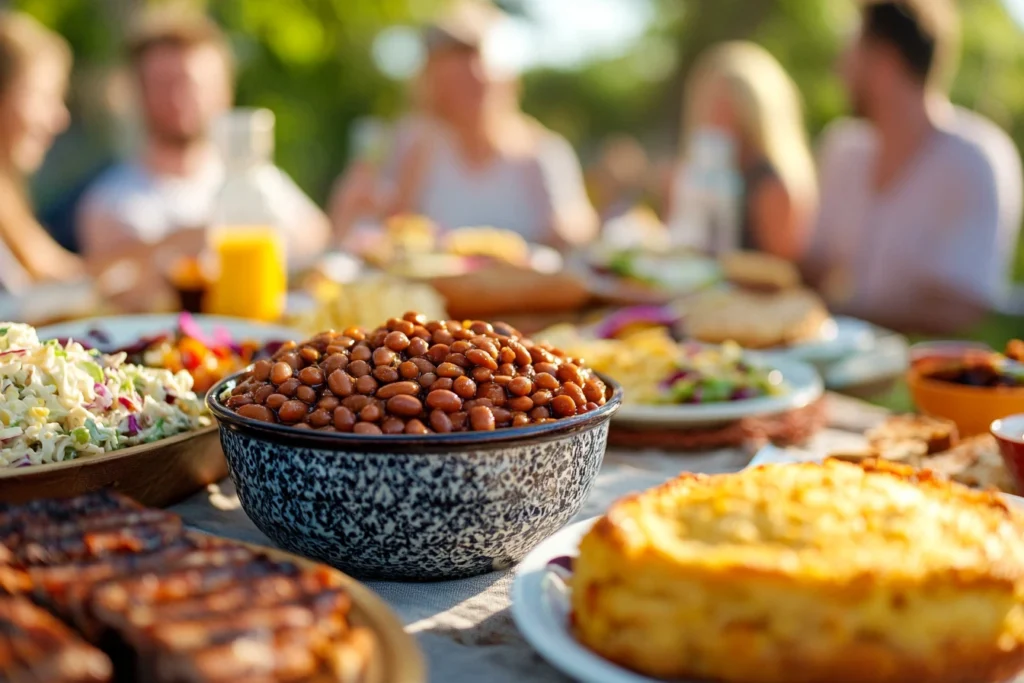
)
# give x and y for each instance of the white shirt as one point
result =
(949, 222)
(147, 208)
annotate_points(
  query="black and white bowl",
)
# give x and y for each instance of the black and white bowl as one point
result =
(440, 506)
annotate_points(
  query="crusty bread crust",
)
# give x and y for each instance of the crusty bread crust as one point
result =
(805, 573)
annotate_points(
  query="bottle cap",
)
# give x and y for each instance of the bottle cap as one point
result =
(245, 136)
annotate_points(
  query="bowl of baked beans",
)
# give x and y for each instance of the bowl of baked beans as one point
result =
(419, 450)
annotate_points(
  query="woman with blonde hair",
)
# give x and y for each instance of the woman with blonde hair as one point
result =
(739, 91)
(34, 68)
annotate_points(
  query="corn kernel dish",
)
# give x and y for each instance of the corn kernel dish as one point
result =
(806, 573)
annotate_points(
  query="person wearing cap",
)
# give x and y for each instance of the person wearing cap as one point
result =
(469, 156)
(161, 201)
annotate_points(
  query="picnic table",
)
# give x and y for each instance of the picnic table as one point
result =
(464, 627)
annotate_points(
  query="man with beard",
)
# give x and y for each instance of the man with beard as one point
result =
(921, 200)
(160, 203)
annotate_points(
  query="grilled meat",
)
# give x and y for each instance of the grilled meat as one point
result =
(36, 648)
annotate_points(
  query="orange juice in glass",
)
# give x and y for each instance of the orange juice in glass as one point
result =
(250, 277)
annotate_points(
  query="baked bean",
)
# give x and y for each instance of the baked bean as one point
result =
(563, 406)
(450, 370)
(416, 427)
(589, 406)
(502, 380)
(505, 329)
(469, 405)
(460, 360)
(423, 364)
(344, 419)
(540, 412)
(254, 411)
(360, 352)
(440, 421)
(261, 370)
(384, 356)
(388, 390)
(427, 380)
(481, 358)
(275, 401)
(291, 359)
(337, 361)
(481, 375)
(438, 352)
(241, 389)
(301, 425)
(462, 334)
(507, 355)
(355, 402)
(520, 386)
(405, 327)
(520, 403)
(292, 411)
(289, 386)
(567, 372)
(371, 413)
(366, 428)
(445, 383)
(420, 332)
(573, 391)
(309, 354)
(520, 419)
(461, 346)
(280, 373)
(464, 387)
(366, 385)
(397, 340)
(549, 368)
(445, 400)
(415, 318)
(405, 405)
(501, 415)
(392, 425)
(239, 401)
(335, 349)
(306, 394)
(377, 338)
(459, 420)
(539, 355)
(523, 356)
(481, 419)
(328, 403)
(418, 346)
(261, 394)
(541, 398)
(287, 346)
(545, 381)
(355, 332)
(328, 428)
(408, 370)
(492, 391)
(485, 345)
(359, 368)
(594, 389)
(506, 369)
(443, 337)
(319, 418)
(385, 374)
(481, 327)
(311, 375)
(340, 383)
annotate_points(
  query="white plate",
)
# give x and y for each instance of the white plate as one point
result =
(803, 383)
(127, 329)
(541, 607)
(840, 337)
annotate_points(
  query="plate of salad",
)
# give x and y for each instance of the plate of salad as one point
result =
(668, 384)
(73, 419)
(209, 348)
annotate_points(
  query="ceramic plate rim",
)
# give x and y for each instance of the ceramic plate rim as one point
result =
(853, 335)
(150, 323)
(808, 388)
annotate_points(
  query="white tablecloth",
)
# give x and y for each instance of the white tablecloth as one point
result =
(464, 627)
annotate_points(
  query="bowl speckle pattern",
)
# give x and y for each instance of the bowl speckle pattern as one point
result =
(422, 516)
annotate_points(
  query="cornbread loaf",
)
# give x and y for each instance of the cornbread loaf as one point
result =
(936, 433)
(804, 573)
(756, 320)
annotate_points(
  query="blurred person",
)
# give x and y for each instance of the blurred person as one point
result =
(618, 182)
(161, 202)
(921, 201)
(740, 91)
(469, 156)
(34, 68)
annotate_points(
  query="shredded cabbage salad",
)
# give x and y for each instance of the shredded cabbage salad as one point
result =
(60, 402)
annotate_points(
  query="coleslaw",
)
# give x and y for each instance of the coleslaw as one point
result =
(61, 401)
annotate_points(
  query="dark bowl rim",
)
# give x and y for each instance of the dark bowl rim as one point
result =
(422, 444)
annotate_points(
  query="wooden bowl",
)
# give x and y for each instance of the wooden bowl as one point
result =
(155, 474)
(973, 409)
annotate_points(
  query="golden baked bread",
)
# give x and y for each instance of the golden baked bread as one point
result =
(755, 320)
(805, 573)
(759, 271)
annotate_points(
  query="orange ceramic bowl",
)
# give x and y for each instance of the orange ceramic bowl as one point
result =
(973, 409)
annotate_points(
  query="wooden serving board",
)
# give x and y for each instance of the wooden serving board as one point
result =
(395, 658)
(155, 474)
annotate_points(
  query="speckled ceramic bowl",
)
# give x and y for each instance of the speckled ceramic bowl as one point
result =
(408, 507)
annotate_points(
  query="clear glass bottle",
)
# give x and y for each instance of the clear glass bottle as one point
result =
(249, 276)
